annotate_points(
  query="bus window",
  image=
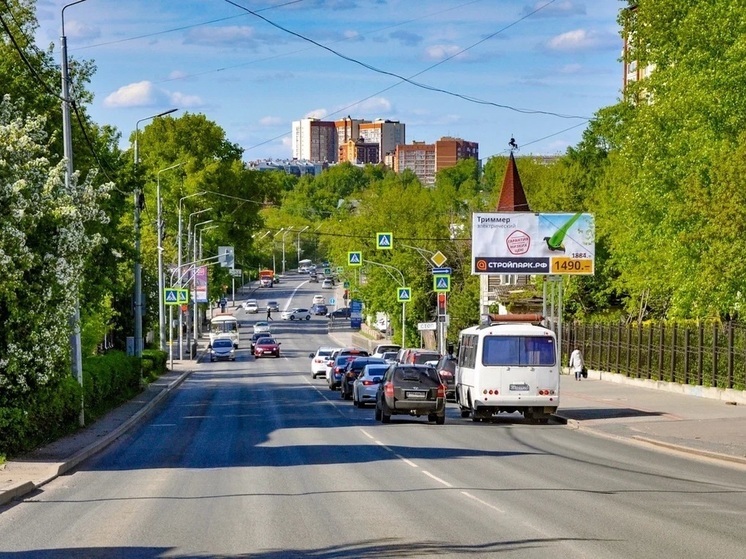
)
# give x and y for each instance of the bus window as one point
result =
(507, 351)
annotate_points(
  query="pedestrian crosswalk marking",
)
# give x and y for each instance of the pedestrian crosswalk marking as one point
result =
(403, 294)
(441, 283)
(354, 259)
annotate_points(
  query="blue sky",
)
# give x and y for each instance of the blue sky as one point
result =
(533, 64)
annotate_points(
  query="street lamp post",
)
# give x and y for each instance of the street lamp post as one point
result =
(299, 232)
(274, 267)
(195, 329)
(288, 230)
(388, 267)
(138, 266)
(179, 264)
(159, 233)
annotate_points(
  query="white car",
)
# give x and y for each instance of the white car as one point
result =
(320, 359)
(262, 326)
(251, 306)
(296, 314)
(327, 284)
(318, 300)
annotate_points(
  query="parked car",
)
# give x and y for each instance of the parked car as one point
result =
(273, 306)
(222, 348)
(318, 299)
(412, 390)
(380, 349)
(327, 284)
(266, 346)
(296, 314)
(251, 306)
(352, 371)
(446, 368)
(319, 309)
(366, 384)
(255, 336)
(344, 312)
(319, 360)
(262, 326)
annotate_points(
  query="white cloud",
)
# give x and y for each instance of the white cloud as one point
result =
(270, 121)
(439, 52)
(177, 75)
(316, 113)
(140, 94)
(184, 101)
(578, 39)
(145, 94)
(77, 30)
(353, 36)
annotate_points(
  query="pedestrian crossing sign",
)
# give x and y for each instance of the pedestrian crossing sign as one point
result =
(403, 294)
(384, 241)
(441, 283)
(175, 296)
(355, 258)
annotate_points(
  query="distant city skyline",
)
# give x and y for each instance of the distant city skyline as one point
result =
(535, 70)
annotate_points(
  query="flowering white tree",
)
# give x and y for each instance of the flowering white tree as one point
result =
(43, 247)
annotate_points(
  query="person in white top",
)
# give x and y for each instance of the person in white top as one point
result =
(576, 363)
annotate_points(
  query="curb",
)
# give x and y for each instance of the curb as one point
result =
(59, 469)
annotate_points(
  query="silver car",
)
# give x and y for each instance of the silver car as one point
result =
(222, 348)
(366, 385)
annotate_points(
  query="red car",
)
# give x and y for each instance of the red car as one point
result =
(267, 346)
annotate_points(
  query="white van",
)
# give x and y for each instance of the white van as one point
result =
(224, 325)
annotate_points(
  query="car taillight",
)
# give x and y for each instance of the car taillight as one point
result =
(546, 392)
(368, 383)
(446, 374)
(491, 391)
(442, 391)
(388, 389)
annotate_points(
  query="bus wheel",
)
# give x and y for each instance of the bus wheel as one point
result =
(465, 413)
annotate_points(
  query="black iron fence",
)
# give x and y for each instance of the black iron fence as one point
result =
(711, 355)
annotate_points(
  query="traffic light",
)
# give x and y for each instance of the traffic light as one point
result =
(441, 303)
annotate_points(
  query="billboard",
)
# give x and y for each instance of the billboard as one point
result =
(533, 243)
(200, 284)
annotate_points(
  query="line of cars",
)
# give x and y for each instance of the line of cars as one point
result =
(412, 387)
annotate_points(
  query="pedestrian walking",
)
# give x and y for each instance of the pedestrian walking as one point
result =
(269, 314)
(576, 363)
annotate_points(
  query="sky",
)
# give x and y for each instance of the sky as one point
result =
(481, 70)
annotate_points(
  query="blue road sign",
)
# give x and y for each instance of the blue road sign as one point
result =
(354, 258)
(384, 241)
(442, 271)
(171, 296)
(441, 284)
(332, 301)
(403, 294)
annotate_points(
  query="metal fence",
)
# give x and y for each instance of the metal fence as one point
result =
(711, 355)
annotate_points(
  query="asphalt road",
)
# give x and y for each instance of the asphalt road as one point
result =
(253, 459)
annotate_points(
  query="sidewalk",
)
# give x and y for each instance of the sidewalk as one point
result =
(25, 474)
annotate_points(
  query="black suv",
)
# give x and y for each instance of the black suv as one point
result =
(413, 390)
(352, 371)
(255, 337)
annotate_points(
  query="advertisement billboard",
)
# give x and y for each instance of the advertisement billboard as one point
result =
(533, 243)
(200, 284)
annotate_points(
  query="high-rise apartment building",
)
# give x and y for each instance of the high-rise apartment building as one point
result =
(386, 133)
(314, 140)
(425, 160)
(359, 152)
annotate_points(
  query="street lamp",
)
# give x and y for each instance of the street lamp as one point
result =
(195, 330)
(388, 267)
(299, 232)
(138, 265)
(179, 264)
(274, 267)
(200, 238)
(161, 286)
(288, 230)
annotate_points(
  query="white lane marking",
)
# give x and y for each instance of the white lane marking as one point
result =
(406, 460)
(379, 443)
(428, 474)
(481, 502)
(367, 434)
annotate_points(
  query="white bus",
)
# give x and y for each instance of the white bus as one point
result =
(508, 367)
(224, 325)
